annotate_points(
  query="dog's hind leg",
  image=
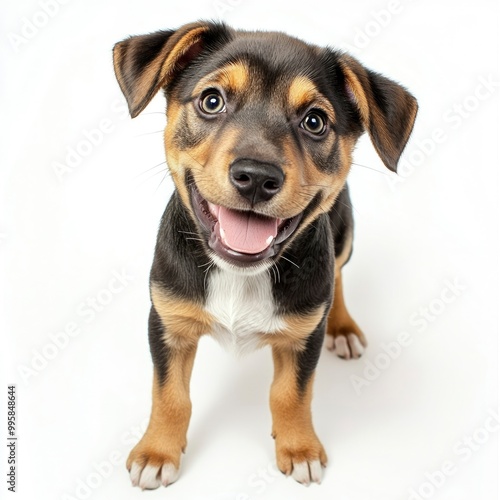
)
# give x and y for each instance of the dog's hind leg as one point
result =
(343, 335)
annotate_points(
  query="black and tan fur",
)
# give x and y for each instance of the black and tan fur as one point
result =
(270, 84)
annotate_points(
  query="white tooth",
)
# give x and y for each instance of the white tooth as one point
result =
(222, 234)
(214, 209)
(269, 240)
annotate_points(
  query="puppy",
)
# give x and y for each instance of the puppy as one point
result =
(259, 140)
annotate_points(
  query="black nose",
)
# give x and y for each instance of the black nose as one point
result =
(256, 181)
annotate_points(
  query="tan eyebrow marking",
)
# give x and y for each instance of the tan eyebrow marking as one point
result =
(234, 78)
(302, 92)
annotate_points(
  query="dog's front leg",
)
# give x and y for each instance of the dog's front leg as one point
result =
(298, 449)
(156, 458)
(175, 327)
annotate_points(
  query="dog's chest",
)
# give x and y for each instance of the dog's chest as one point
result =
(243, 308)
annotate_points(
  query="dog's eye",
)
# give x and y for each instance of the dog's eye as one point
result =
(212, 103)
(314, 123)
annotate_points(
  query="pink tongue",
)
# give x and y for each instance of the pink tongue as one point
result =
(246, 232)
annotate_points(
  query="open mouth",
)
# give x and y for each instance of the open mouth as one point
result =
(242, 237)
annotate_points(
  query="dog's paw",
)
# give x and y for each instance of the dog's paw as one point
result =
(346, 341)
(305, 465)
(346, 346)
(150, 470)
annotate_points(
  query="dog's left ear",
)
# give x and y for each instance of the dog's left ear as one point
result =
(386, 108)
(144, 64)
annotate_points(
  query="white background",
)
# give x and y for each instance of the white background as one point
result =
(63, 237)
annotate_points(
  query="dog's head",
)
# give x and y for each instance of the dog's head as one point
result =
(260, 128)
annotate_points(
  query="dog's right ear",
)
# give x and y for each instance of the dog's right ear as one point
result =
(144, 64)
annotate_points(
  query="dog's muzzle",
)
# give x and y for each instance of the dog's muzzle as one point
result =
(241, 237)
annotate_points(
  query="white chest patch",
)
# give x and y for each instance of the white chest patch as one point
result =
(243, 308)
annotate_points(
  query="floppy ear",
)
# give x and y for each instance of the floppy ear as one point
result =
(143, 64)
(386, 108)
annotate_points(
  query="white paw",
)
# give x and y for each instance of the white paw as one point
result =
(330, 342)
(151, 477)
(341, 347)
(308, 472)
(345, 347)
(355, 345)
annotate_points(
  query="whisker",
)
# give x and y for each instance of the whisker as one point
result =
(207, 264)
(337, 212)
(341, 203)
(315, 185)
(149, 169)
(150, 133)
(371, 168)
(167, 173)
(269, 272)
(277, 271)
(309, 195)
(206, 274)
(291, 262)
(279, 268)
(151, 177)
